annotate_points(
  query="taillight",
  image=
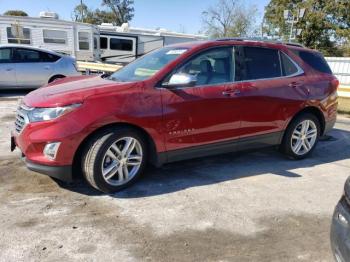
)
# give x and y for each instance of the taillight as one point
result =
(335, 84)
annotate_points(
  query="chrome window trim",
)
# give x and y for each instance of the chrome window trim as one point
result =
(299, 72)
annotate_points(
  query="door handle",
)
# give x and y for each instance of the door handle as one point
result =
(46, 67)
(295, 84)
(231, 92)
(9, 69)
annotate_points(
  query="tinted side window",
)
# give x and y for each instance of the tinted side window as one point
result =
(46, 57)
(27, 56)
(103, 42)
(5, 55)
(315, 60)
(288, 67)
(211, 67)
(120, 44)
(261, 63)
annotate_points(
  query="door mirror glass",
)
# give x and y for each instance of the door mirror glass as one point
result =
(181, 80)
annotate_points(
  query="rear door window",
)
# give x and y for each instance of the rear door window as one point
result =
(27, 56)
(315, 60)
(260, 63)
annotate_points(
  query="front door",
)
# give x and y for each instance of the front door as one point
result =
(208, 112)
(7, 68)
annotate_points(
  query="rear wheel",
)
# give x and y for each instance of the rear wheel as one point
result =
(301, 136)
(114, 159)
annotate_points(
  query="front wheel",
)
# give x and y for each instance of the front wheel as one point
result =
(301, 136)
(114, 159)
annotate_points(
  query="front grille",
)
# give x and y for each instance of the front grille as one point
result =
(21, 119)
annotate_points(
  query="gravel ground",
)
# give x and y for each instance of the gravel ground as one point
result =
(255, 206)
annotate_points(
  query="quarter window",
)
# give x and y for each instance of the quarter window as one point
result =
(84, 40)
(288, 67)
(5, 55)
(260, 63)
(211, 67)
(315, 60)
(21, 36)
(120, 44)
(55, 37)
(103, 42)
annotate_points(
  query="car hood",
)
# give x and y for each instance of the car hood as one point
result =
(72, 90)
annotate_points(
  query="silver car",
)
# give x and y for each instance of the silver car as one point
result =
(24, 66)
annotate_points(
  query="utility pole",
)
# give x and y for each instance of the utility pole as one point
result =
(81, 11)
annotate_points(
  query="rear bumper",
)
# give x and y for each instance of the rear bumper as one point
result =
(340, 233)
(329, 125)
(63, 173)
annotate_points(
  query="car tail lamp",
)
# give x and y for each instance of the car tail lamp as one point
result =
(334, 84)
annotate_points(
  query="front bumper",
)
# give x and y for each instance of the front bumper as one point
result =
(340, 233)
(63, 173)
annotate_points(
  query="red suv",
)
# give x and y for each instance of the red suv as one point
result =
(182, 101)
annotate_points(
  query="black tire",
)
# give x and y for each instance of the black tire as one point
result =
(54, 78)
(94, 154)
(286, 146)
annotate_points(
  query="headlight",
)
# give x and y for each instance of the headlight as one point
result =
(49, 113)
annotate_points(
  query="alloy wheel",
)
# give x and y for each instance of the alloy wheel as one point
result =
(121, 161)
(304, 137)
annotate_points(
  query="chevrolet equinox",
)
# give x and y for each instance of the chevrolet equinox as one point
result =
(178, 102)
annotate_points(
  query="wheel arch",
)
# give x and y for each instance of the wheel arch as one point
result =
(311, 110)
(55, 76)
(151, 147)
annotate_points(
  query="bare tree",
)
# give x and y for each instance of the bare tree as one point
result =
(230, 18)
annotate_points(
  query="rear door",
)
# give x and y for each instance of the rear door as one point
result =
(271, 89)
(7, 68)
(32, 69)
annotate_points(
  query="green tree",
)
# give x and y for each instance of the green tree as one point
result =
(16, 13)
(118, 12)
(229, 18)
(325, 26)
(122, 9)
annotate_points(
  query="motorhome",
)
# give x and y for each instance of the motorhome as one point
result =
(86, 42)
(47, 31)
(123, 44)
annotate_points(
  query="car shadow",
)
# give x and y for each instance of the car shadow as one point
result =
(217, 169)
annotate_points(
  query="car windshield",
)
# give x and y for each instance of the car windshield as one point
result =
(148, 65)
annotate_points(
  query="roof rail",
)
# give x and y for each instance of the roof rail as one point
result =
(260, 40)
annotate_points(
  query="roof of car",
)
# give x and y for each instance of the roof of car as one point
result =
(31, 47)
(242, 41)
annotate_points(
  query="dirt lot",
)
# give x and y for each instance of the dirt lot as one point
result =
(255, 206)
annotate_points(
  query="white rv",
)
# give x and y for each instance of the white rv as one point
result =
(47, 31)
(123, 44)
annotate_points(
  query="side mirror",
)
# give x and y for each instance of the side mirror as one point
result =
(181, 80)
